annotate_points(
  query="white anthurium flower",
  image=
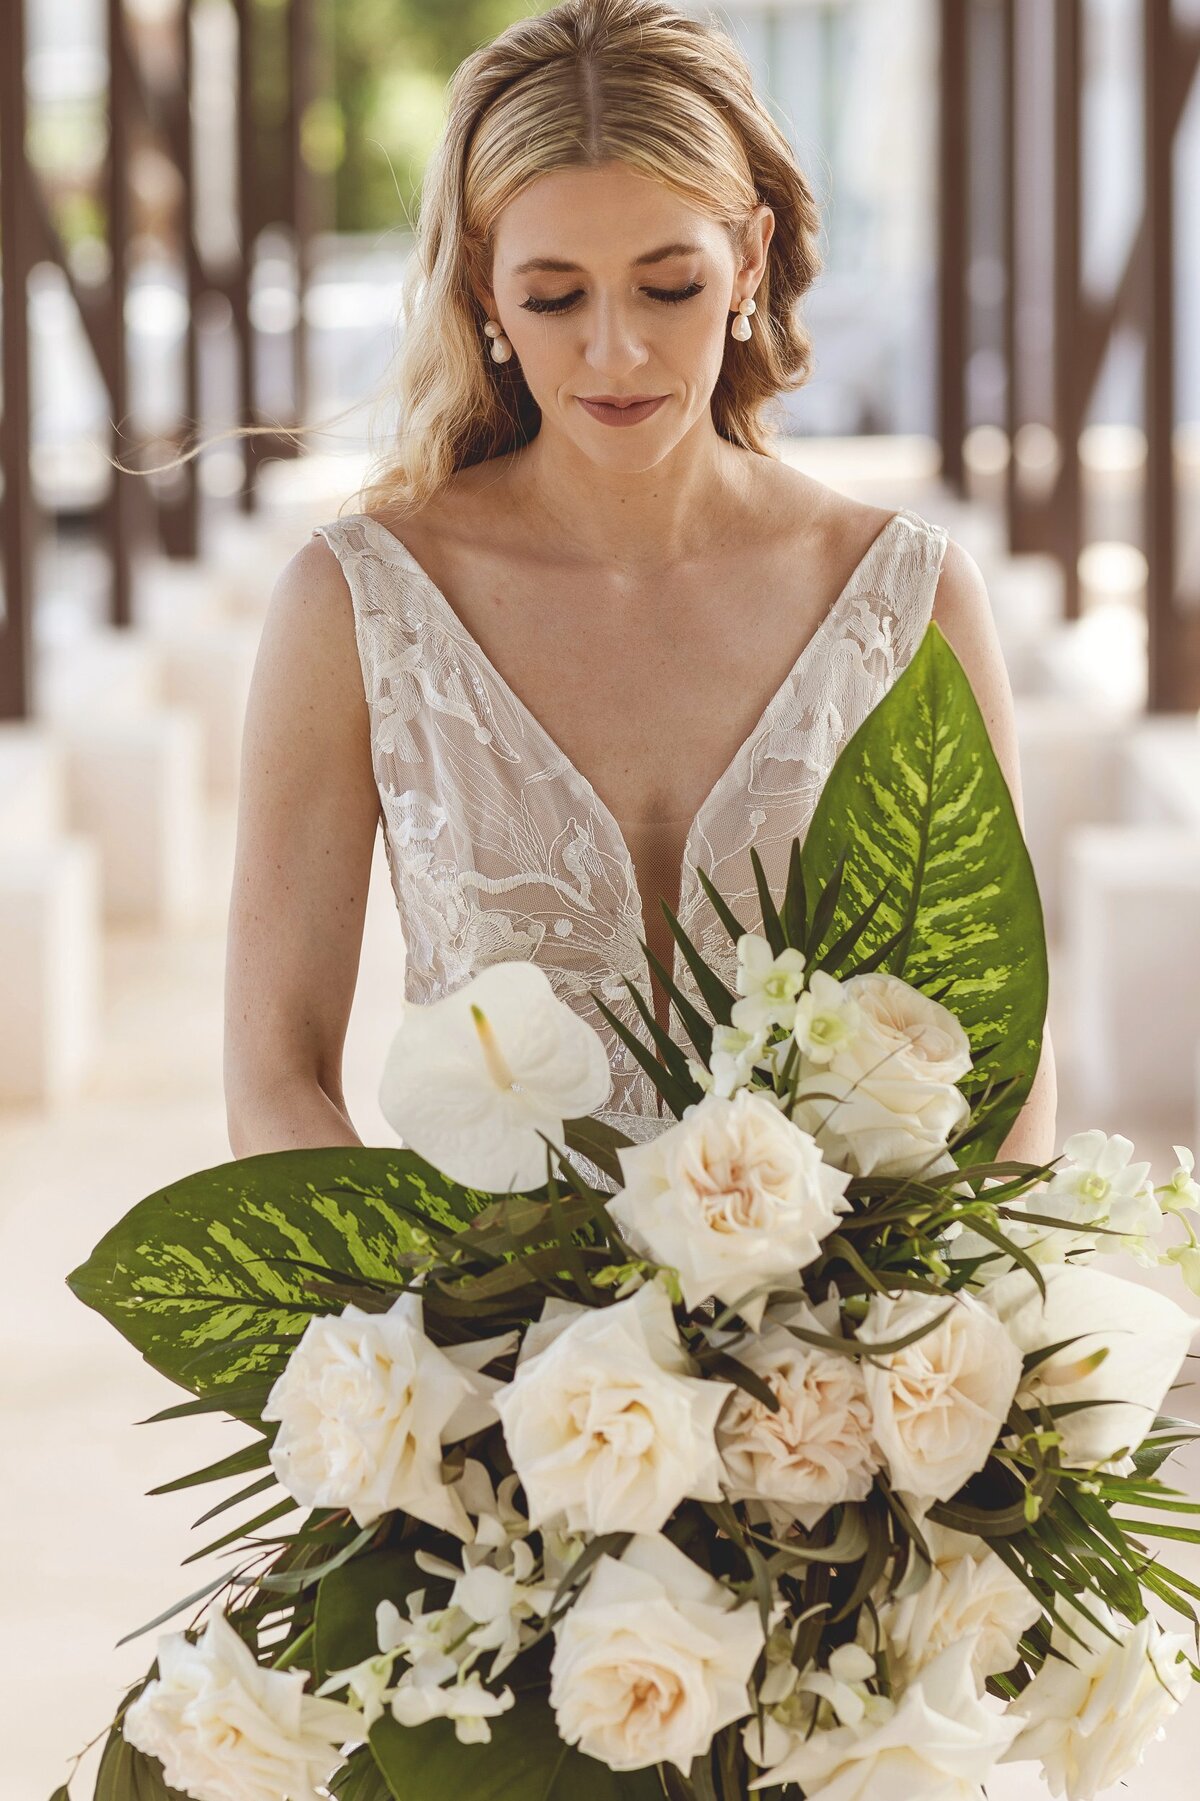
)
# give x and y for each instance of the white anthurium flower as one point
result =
(365, 1403)
(940, 1403)
(606, 1424)
(937, 1740)
(1091, 1711)
(734, 1196)
(818, 1448)
(653, 1659)
(827, 1017)
(227, 1729)
(1130, 1342)
(471, 1079)
(733, 1058)
(768, 984)
(1182, 1191)
(968, 1593)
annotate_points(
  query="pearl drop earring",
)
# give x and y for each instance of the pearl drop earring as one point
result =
(501, 348)
(740, 328)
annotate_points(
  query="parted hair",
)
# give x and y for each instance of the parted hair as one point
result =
(668, 94)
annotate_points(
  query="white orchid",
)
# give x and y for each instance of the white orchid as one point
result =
(1099, 1185)
(734, 1055)
(420, 1697)
(768, 985)
(472, 1079)
(826, 1017)
(1182, 1191)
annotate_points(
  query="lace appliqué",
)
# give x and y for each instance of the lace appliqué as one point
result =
(498, 848)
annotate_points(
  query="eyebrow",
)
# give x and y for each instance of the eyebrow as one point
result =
(555, 266)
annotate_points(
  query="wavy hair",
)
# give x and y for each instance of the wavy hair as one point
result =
(589, 82)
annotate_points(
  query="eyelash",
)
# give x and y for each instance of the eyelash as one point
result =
(667, 296)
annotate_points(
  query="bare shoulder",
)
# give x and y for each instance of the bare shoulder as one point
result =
(308, 646)
(829, 529)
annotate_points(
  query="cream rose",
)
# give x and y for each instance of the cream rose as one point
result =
(937, 1743)
(366, 1402)
(968, 1594)
(819, 1447)
(886, 1098)
(606, 1426)
(1089, 1720)
(652, 1660)
(939, 1404)
(733, 1196)
(1144, 1334)
(226, 1729)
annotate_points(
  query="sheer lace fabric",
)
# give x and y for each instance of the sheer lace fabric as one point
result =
(498, 847)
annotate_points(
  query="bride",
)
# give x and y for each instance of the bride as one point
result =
(588, 633)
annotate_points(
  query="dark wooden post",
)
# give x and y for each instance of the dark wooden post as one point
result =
(16, 258)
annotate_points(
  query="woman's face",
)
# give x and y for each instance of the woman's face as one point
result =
(608, 286)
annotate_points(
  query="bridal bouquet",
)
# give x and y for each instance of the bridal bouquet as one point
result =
(802, 1450)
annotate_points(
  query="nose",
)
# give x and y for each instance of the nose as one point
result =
(614, 343)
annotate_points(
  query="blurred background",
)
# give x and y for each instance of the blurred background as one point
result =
(205, 216)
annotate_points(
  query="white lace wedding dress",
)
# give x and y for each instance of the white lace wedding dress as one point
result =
(500, 848)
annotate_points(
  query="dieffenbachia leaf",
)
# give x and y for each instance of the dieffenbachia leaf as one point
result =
(919, 806)
(214, 1277)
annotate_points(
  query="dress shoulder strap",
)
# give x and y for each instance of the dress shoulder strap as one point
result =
(906, 578)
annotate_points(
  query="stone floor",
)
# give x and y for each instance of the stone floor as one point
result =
(85, 1556)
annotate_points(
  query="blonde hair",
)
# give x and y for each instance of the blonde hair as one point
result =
(589, 82)
(586, 83)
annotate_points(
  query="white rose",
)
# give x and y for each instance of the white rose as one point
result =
(605, 1425)
(1146, 1336)
(366, 1402)
(226, 1729)
(733, 1196)
(968, 1594)
(937, 1743)
(940, 1403)
(1089, 1720)
(652, 1660)
(819, 1447)
(892, 1081)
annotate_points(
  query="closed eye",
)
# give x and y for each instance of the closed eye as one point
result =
(561, 304)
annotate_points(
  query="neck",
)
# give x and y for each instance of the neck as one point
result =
(640, 520)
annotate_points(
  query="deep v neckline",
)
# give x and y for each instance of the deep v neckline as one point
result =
(533, 725)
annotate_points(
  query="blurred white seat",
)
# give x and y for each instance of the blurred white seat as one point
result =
(1099, 659)
(50, 968)
(136, 785)
(104, 672)
(248, 553)
(1069, 756)
(298, 492)
(1026, 593)
(32, 786)
(1132, 938)
(207, 655)
(1160, 771)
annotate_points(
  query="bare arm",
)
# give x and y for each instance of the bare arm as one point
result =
(963, 611)
(307, 815)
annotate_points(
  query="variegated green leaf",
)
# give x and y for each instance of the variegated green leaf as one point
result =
(212, 1278)
(919, 802)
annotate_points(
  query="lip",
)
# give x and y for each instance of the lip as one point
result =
(627, 413)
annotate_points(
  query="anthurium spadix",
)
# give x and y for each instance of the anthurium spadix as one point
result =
(471, 1079)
